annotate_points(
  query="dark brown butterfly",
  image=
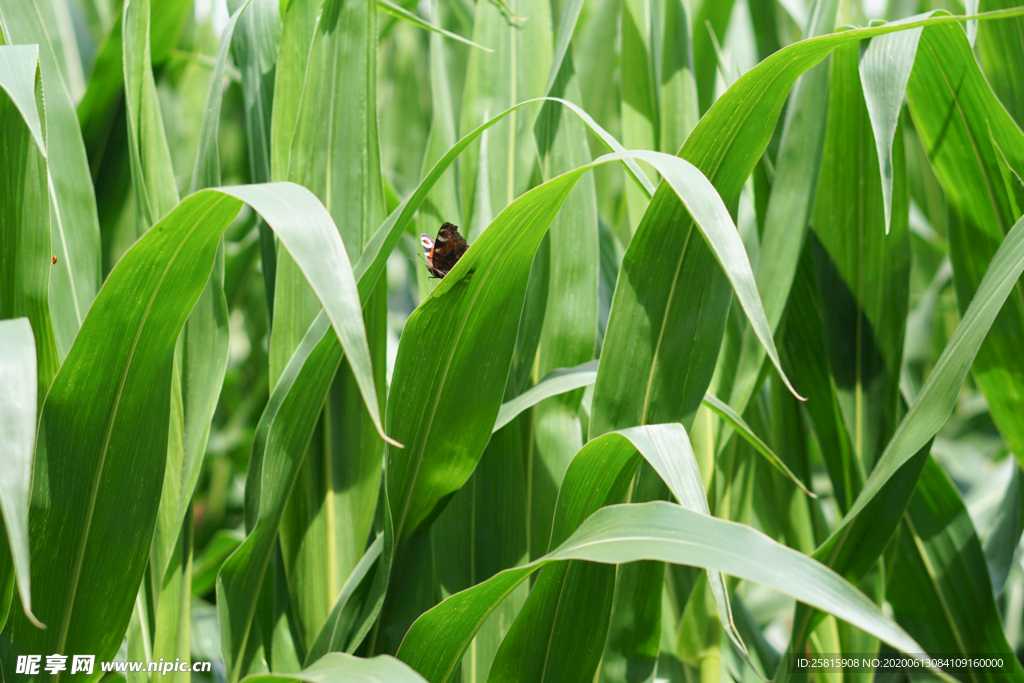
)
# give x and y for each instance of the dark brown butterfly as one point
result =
(444, 252)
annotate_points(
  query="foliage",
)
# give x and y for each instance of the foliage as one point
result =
(729, 376)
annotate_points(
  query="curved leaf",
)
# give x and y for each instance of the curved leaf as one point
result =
(104, 420)
(653, 531)
(556, 382)
(402, 13)
(74, 226)
(477, 305)
(17, 441)
(845, 548)
(338, 666)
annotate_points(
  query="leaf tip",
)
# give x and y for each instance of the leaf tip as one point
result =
(34, 620)
(391, 441)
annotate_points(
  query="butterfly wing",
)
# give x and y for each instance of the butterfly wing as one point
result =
(428, 252)
(444, 252)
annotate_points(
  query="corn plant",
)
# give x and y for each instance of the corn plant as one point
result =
(727, 385)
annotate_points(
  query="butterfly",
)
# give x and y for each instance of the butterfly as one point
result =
(444, 252)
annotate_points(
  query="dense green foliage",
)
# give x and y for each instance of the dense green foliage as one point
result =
(730, 375)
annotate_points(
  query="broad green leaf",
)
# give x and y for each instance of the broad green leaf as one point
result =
(969, 136)
(558, 605)
(939, 588)
(861, 255)
(431, 375)
(857, 541)
(639, 103)
(254, 47)
(1001, 55)
(324, 529)
(680, 109)
(294, 403)
(340, 627)
(567, 334)
(481, 532)
(156, 192)
(710, 25)
(642, 345)
(479, 301)
(17, 440)
(655, 531)
(885, 71)
(338, 666)
(104, 420)
(555, 382)
(789, 204)
(516, 71)
(26, 256)
(74, 227)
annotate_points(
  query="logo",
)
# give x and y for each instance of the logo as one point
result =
(444, 252)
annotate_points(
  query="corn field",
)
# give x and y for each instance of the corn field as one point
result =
(728, 385)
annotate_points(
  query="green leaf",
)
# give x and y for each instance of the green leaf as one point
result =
(969, 136)
(680, 108)
(566, 317)
(340, 627)
(338, 666)
(17, 440)
(294, 405)
(254, 47)
(1002, 57)
(431, 374)
(324, 528)
(789, 205)
(484, 530)
(555, 382)
(25, 260)
(156, 191)
(402, 13)
(858, 540)
(885, 71)
(653, 531)
(710, 23)
(939, 587)
(74, 227)
(494, 82)
(722, 409)
(480, 299)
(639, 102)
(861, 255)
(104, 421)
